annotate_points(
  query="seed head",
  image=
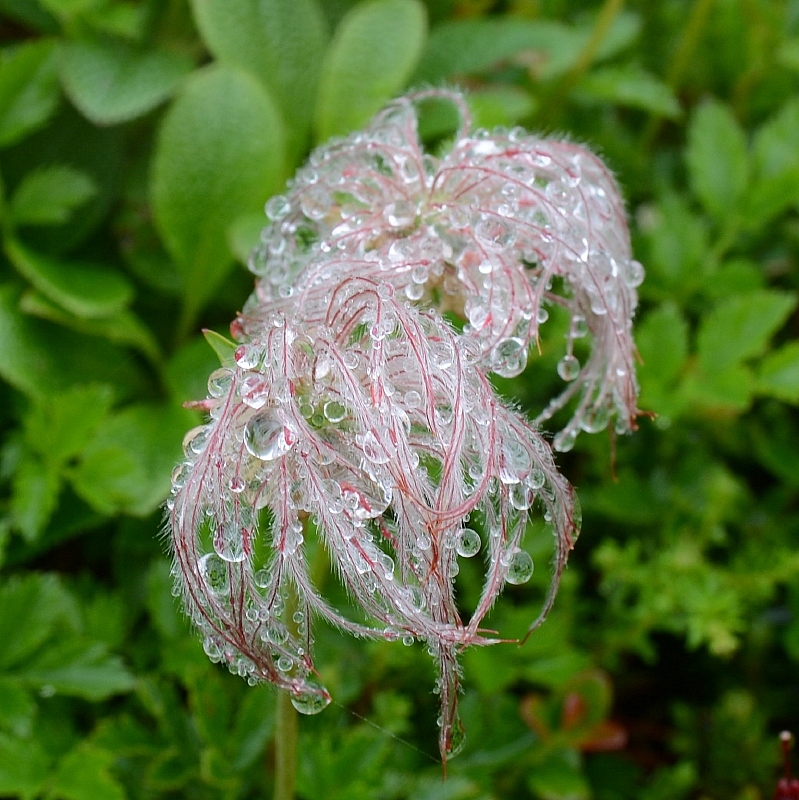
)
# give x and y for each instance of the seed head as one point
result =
(356, 411)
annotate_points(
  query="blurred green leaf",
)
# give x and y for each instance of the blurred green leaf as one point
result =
(281, 42)
(49, 195)
(34, 496)
(84, 774)
(84, 289)
(123, 328)
(30, 607)
(112, 82)
(17, 708)
(357, 77)
(127, 466)
(28, 89)
(717, 159)
(245, 234)
(559, 778)
(739, 328)
(662, 340)
(629, 86)
(219, 156)
(79, 670)
(779, 373)
(24, 766)
(501, 106)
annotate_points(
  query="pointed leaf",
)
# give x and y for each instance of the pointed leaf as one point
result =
(85, 774)
(111, 81)
(28, 89)
(779, 373)
(34, 495)
(740, 328)
(718, 162)
(629, 86)
(24, 766)
(49, 195)
(280, 42)
(87, 290)
(358, 77)
(219, 156)
(223, 347)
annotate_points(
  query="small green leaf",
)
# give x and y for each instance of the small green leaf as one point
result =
(219, 156)
(28, 89)
(629, 86)
(61, 427)
(662, 340)
(501, 105)
(79, 670)
(717, 158)
(127, 466)
(245, 234)
(34, 495)
(86, 290)
(280, 42)
(559, 778)
(112, 82)
(357, 76)
(779, 373)
(740, 328)
(223, 347)
(30, 608)
(38, 358)
(17, 708)
(49, 195)
(24, 766)
(85, 774)
(123, 328)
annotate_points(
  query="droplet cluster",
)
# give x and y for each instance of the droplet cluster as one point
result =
(352, 408)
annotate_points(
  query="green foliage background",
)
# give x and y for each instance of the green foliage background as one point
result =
(138, 143)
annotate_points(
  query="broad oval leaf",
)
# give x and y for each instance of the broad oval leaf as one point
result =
(112, 82)
(28, 89)
(87, 290)
(49, 195)
(281, 42)
(219, 155)
(371, 57)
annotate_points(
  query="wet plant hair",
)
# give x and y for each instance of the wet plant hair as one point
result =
(352, 408)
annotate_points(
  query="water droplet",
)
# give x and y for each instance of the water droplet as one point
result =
(400, 214)
(509, 358)
(219, 382)
(468, 543)
(372, 449)
(264, 437)
(311, 701)
(195, 440)
(262, 578)
(334, 411)
(456, 738)
(277, 207)
(568, 368)
(285, 663)
(494, 232)
(180, 475)
(213, 647)
(254, 390)
(236, 484)
(536, 478)
(441, 354)
(521, 496)
(633, 273)
(246, 356)
(214, 572)
(595, 420)
(520, 568)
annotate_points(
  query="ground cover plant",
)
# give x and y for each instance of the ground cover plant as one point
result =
(139, 144)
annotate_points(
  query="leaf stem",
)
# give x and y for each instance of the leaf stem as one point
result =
(285, 747)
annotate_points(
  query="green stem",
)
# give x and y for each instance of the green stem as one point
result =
(691, 34)
(608, 12)
(285, 747)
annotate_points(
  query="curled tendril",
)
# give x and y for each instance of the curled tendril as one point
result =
(354, 410)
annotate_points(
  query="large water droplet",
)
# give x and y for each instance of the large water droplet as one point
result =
(264, 437)
(219, 382)
(214, 572)
(568, 368)
(468, 543)
(311, 701)
(520, 569)
(509, 358)
(334, 411)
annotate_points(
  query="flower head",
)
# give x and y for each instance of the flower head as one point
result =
(355, 408)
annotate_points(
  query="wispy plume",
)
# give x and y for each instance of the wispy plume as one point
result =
(354, 410)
